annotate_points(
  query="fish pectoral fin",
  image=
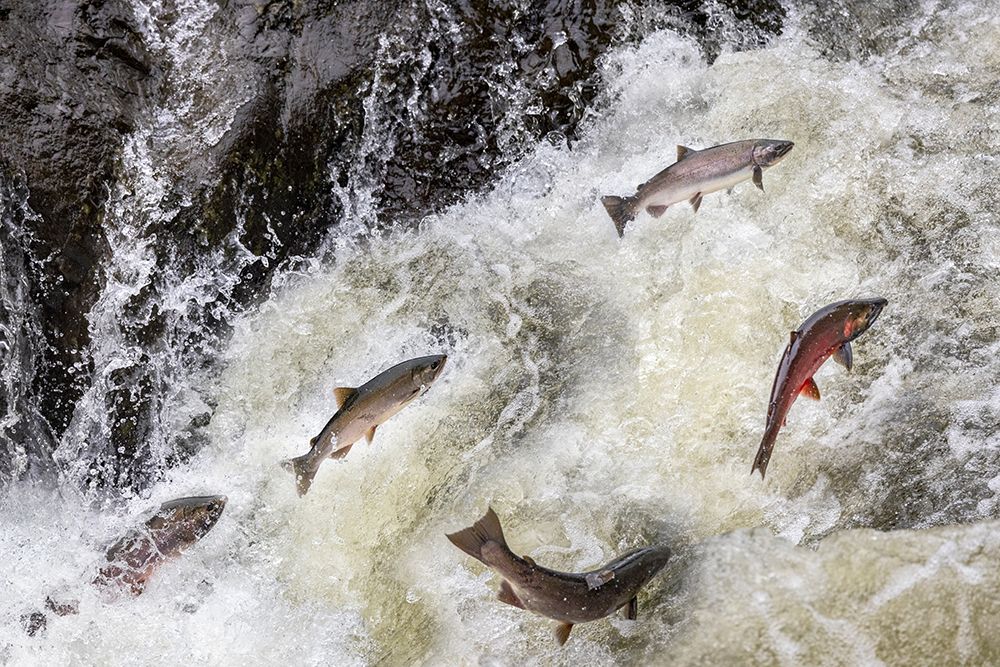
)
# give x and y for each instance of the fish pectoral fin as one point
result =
(562, 632)
(598, 579)
(810, 390)
(343, 393)
(508, 595)
(682, 152)
(695, 201)
(656, 211)
(792, 337)
(529, 560)
(758, 178)
(844, 356)
(632, 611)
(370, 434)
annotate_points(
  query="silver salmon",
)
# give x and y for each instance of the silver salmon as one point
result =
(697, 173)
(361, 410)
(566, 597)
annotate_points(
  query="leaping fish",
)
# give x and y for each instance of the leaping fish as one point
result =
(132, 560)
(566, 597)
(827, 332)
(361, 410)
(696, 174)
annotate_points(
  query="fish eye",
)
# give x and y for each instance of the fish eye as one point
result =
(434, 366)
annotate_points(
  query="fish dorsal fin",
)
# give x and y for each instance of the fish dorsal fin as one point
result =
(562, 632)
(682, 152)
(599, 578)
(844, 356)
(810, 390)
(343, 394)
(508, 595)
(370, 435)
(529, 560)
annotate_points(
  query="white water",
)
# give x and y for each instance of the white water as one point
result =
(602, 394)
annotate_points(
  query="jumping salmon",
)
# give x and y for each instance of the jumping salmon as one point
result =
(697, 173)
(566, 597)
(827, 332)
(132, 560)
(361, 410)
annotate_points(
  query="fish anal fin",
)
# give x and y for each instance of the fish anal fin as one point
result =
(599, 578)
(562, 632)
(682, 152)
(341, 453)
(656, 211)
(695, 201)
(632, 611)
(508, 595)
(844, 356)
(729, 191)
(810, 390)
(758, 178)
(370, 434)
(342, 394)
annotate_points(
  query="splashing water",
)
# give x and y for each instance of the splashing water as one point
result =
(602, 394)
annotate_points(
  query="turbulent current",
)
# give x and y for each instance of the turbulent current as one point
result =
(603, 394)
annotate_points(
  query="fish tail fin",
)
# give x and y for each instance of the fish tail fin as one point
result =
(34, 622)
(303, 470)
(763, 456)
(621, 210)
(471, 540)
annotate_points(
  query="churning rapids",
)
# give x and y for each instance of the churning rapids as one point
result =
(603, 394)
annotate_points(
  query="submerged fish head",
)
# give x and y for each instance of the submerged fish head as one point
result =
(423, 372)
(180, 523)
(655, 559)
(769, 152)
(860, 315)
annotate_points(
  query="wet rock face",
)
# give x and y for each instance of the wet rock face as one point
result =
(368, 112)
(72, 79)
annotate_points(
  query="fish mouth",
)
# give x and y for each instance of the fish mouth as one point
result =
(876, 309)
(782, 149)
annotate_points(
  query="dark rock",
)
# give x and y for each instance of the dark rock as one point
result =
(74, 75)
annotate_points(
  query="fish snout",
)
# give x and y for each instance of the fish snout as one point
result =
(768, 152)
(875, 309)
(437, 365)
